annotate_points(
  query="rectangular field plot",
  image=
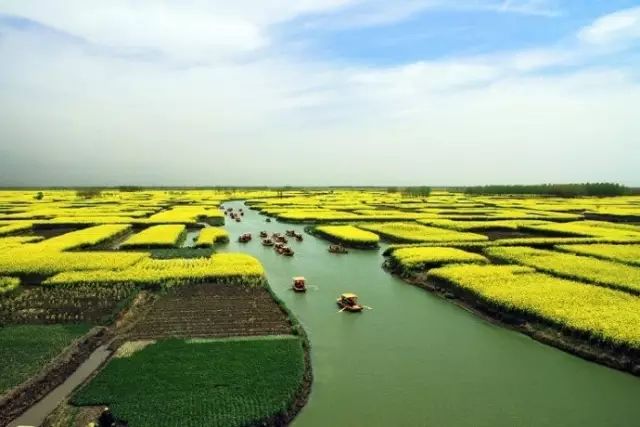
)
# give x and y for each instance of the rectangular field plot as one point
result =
(84, 303)
(215, 383)
(588, 269)
(348, 234)
(628, 254)
(157, 236)
(212, 310)
(410, 232)
(416, 259)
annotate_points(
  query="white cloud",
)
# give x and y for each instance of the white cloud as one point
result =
(67, 114)
(619, 27)
(190, 29)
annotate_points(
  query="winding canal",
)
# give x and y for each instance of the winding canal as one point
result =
(417, 360)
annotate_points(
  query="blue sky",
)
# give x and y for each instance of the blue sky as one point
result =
(319, 92)
(439, 32)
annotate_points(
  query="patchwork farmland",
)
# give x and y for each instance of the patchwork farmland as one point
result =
(163, 282)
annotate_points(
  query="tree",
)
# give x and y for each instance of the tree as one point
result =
(88, 193)
(39, 195)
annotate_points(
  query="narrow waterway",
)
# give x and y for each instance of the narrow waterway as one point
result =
(418, 360)
(36, 415)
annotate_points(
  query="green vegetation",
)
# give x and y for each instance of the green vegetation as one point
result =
(559, 190)
(24, 350)
(200, 383)
(8, 284)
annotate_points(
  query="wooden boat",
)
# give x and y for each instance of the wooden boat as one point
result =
(298, 237)
(267, 242)
(268, 220)
(264, 234)
(337, 249)
(237, 219)
(286, 251)
(299, 284)
(290, 233)
(244, 238)
(349, 302)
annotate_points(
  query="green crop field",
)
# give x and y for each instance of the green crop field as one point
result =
(25, 349)
(198, 383)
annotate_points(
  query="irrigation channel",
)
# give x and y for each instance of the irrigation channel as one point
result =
(418, 360)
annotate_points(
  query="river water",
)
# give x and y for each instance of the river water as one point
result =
(418, 360)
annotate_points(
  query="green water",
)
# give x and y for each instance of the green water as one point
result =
(418, 360)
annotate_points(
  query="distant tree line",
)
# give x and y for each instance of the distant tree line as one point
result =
(601, 189)
(420, 191)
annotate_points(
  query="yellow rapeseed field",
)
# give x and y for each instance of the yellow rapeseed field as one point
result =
(605, 315)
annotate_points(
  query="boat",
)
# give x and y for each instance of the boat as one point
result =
(286, 251)
(237, 219)
(268, 220)
(299, 284)
(281, 239)
(244, 238)
(290, 233)
(349, 302)
(337, 249)
(267, 242)
(264, 234)
(297, 236)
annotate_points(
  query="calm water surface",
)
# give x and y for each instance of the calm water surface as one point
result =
(417, 360)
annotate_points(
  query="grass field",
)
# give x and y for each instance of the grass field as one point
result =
(26, 349)
(215, 383)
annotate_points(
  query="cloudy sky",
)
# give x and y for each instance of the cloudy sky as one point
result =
(303, 92)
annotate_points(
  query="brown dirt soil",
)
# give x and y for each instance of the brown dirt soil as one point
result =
(545, 333)
(212, 311)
